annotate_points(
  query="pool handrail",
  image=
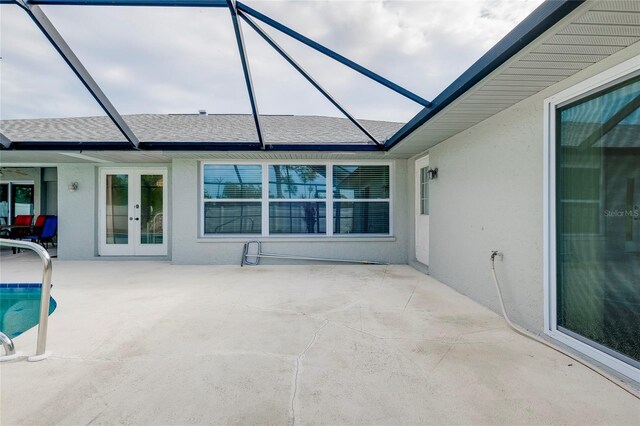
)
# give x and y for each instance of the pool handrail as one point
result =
(47, 267)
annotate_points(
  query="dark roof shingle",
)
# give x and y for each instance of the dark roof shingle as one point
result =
(223, 128)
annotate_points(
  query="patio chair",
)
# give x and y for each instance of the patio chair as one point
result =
(23, 220)
(39, 223)
(19, 228)
(47, 232)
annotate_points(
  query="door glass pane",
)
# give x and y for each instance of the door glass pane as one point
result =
(4, 204)
(150, 209)
(424, 190)
(22, 199)
(598, 220)
(117, 209)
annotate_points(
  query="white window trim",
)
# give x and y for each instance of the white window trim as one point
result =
(609, 77)
(329, 235)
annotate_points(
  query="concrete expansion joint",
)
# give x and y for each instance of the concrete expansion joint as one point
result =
(292, 420)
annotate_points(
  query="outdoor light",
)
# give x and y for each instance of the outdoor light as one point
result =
(73, 186)
(432, 173)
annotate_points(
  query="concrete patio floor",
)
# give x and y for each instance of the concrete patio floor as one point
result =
(153, 343)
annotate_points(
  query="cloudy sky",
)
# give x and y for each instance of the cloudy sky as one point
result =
(174, 60)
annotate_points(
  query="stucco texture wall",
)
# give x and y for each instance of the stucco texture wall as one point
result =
(188, 248)
(77, 212)
(489, 195)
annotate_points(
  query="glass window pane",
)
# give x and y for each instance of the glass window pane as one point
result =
(297, 218)
(232, 181)
(117, 209)
(360, 217)
(598, 220)
(151, 205)
(22, 199)
(4, 204)
(424, 190)
(360, 182)
(232, 218)
(293, 181)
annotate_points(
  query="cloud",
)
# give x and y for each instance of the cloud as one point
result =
(173, 60)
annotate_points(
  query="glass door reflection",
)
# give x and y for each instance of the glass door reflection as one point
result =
(151, 209)
(117, 209)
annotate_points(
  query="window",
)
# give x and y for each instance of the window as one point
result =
(594, 219)
(296, 199)
(295, 192)
(361, 199)
(424, 190)
(232, 199)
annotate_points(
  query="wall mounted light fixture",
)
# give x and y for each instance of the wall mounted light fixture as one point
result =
(73, 186)
(432, 173)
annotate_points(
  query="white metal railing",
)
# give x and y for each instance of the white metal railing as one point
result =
(45, 295)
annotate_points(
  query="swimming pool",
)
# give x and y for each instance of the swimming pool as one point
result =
(20, 307)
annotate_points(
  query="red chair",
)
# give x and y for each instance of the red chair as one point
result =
(23, 220)
(40, 220)
(37, 226)
(21, 227)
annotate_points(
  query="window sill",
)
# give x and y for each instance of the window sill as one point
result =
(345, 239)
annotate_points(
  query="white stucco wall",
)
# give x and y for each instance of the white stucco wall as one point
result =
(188, 248)
(489, 195)
(77, 212)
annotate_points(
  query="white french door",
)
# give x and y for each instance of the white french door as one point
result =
(422, 210)
(133, 212)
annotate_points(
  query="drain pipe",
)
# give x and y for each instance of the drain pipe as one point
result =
(622, 385)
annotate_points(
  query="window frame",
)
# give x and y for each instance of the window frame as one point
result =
(328, 200)
(618, 74)
(204, 200)
(293, 200)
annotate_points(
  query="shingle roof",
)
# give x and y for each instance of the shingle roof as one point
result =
(223, 128)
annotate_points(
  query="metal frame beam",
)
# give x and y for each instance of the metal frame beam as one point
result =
(32, 8)
(306, 75)
(54, 37)
(245, 68)
(333, 55)
(158, 3)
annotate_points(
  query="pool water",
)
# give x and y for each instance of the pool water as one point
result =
(20, 307)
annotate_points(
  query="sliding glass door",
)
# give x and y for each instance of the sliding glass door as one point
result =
(16, 198)
(598, 220)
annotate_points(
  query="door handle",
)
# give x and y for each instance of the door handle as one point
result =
(137, 218)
